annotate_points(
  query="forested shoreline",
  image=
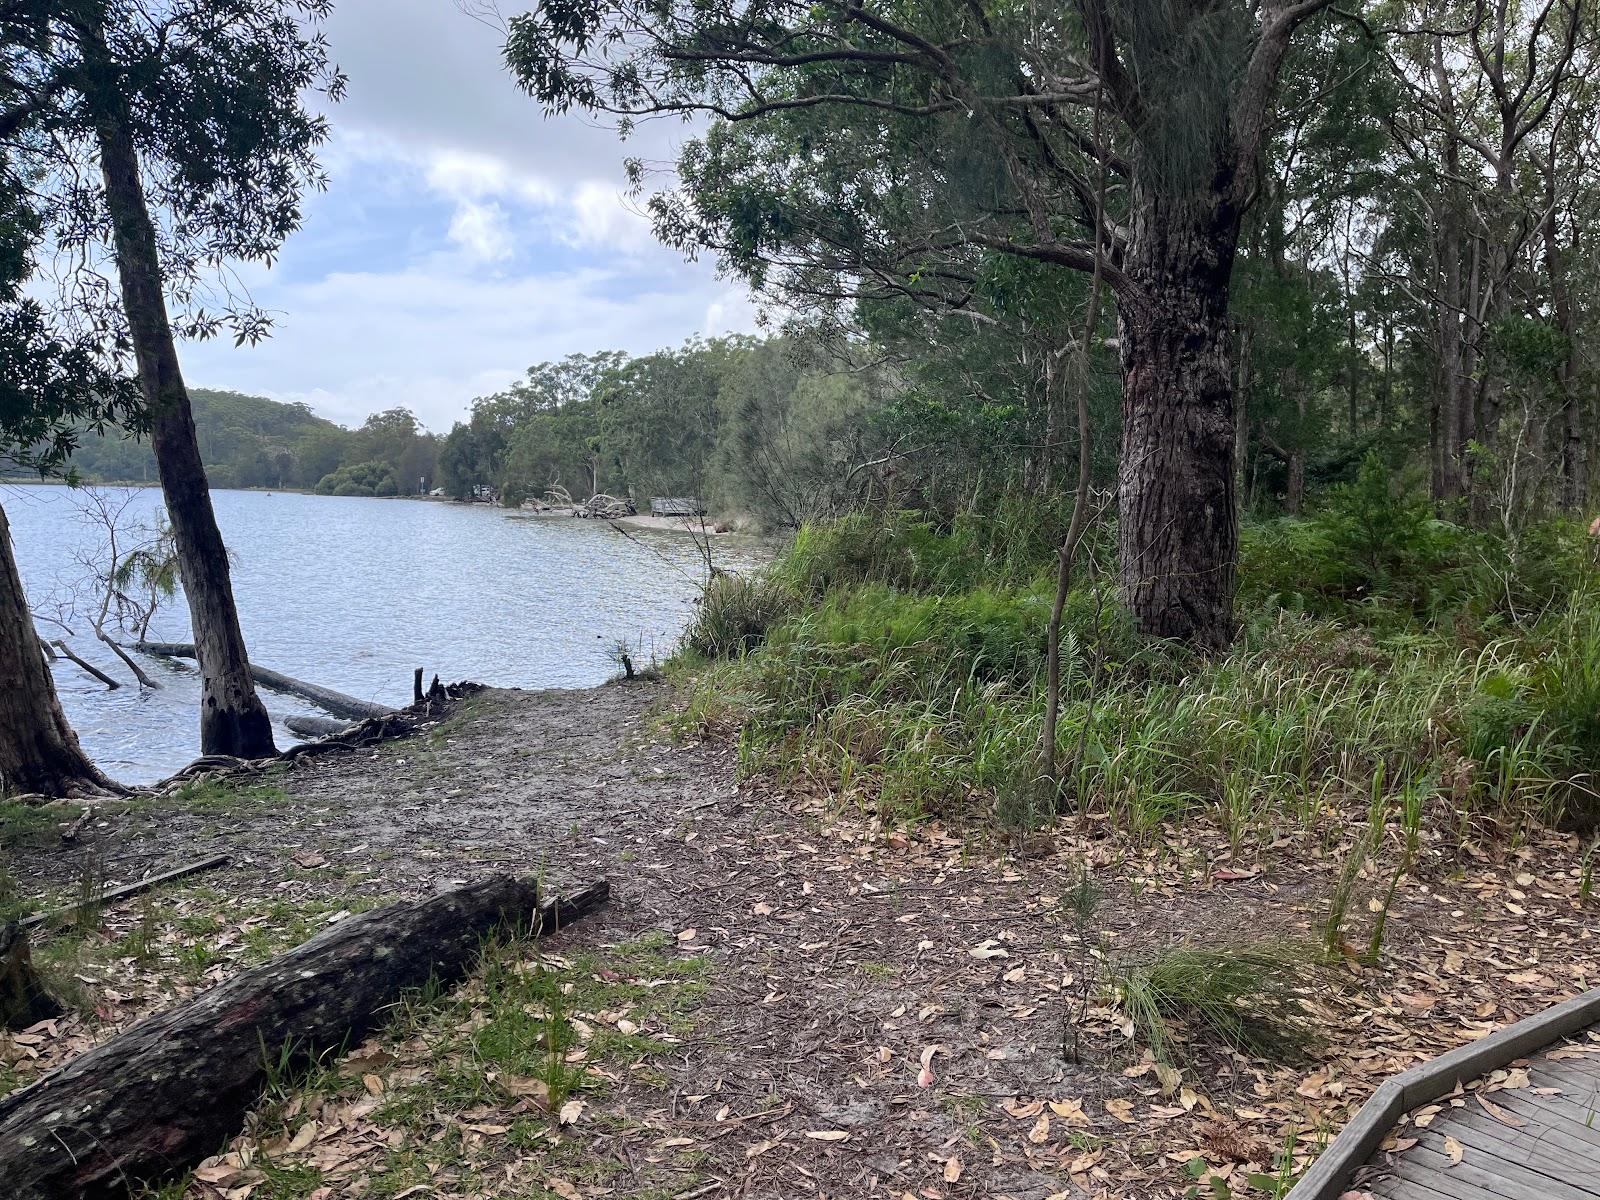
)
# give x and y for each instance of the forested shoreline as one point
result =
(1171, 719)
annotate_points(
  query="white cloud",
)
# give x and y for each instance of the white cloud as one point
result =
(463, 238)
(480, 230)
(435, 335)
(603, 217)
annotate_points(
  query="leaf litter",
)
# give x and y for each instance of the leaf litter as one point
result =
(869, 1011)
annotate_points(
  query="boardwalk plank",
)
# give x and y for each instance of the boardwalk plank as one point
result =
(1396, 1187)
(1513, 1144)
(1544, 1152)
(1558, 1111)
(1492, 1175)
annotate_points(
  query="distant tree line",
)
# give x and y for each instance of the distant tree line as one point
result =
(770, 428)
(250, 441)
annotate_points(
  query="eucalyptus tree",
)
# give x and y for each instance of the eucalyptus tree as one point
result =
(864, 149)
(53, 388)
(169, 139)
(1497, 102)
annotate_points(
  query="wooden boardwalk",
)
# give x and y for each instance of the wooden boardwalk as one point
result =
(1512, 1116)
(1529, 1131)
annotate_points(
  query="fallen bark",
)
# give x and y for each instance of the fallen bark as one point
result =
(175, 1087)
(327, 699)
(128, 889)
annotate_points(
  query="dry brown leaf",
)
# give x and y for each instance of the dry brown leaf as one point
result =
(1500, 1114)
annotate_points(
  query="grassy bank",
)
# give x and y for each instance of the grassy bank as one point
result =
(1387, 662)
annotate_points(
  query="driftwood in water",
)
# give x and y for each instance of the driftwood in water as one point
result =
(175, 1087)
(131, 889)
(66, 652)
(23, 998)
(138, 671)
(337, 703)
(315, 727)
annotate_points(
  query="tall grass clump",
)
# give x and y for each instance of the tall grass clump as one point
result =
(734, 614)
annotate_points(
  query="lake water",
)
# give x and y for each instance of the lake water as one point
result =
(355, 593)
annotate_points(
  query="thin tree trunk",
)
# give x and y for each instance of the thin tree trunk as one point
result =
(1295, 499)
(1177, 537)
(232, 718)
(1453, 405)
(38, 750)
(1574, 485)
(1241, 404)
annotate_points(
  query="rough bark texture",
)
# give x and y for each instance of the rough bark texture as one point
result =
(174, 1088)
(232, 718)
(23, 998)
(38, 750)
(1177, 533)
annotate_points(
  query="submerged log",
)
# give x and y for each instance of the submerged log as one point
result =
(175, 1087)
(88, 667)
(334, 702)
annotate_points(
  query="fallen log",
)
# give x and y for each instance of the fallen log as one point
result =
(138, 672)
(327, 699)
(315, 727)
(175, 1087)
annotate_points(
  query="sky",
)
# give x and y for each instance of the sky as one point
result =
(464, 237)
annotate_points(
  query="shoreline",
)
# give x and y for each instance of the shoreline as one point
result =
(637, 521)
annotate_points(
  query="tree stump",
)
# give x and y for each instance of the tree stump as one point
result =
(23, 998)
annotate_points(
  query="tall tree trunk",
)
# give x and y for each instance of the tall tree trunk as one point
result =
(38, 750)
(1177, 536)
(232, 718)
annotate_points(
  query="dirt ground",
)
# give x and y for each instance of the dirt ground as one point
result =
(875, 1011)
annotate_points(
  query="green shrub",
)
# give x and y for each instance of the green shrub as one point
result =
(359, 479)
(900, 665)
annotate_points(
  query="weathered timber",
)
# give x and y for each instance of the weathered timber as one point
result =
(337, 703)
(1330, 1176)
(23, 998)
(175, 1087)
(315, 727)
(131, 889)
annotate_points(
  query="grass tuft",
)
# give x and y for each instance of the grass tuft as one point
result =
(1245, 997)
